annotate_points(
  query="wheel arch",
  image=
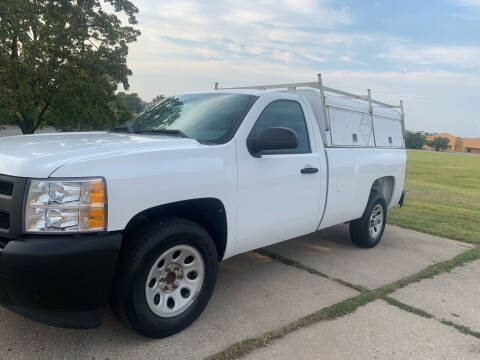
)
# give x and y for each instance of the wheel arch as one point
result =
(385, 186)
(207, 212)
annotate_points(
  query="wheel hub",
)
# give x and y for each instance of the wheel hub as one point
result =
(376, 221)
(169, 278)
(174, 281)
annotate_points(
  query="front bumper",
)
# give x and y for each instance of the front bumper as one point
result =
(59, 280)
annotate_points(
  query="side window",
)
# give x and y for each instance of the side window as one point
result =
(288, 114)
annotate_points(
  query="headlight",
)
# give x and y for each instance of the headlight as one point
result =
(76, 205)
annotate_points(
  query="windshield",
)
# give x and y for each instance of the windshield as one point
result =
(203, 117)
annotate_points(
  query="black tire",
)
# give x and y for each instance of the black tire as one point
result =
(129, 301)
(360, 228)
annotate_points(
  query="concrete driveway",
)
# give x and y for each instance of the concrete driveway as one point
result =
(257, 294)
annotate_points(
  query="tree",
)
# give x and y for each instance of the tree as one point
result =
(158, 98)
(414, 140)
(61, 61)
(132, 102)
(168, 112)
(122, 115)
(125, 106)
(155, 100)
(439, 143)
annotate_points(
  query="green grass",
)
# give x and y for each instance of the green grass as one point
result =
(443, 196)
(463, 329)
(307, 268)
(409, 308)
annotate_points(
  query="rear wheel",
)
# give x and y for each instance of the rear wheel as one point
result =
(368, 230)
(166, 277)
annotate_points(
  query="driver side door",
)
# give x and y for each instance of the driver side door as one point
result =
(277, 198)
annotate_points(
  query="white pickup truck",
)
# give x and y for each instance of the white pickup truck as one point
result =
(140, 216)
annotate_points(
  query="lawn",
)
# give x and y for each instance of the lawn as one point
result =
(443, 196)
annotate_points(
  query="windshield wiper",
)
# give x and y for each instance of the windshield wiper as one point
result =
(123, 129)
(163, 132)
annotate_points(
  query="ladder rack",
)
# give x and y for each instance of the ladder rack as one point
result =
(323, 89)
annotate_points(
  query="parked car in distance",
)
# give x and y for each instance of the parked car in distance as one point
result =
(140, 216)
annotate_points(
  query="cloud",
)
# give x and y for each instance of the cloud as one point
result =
(472, 7)
(461, 56)
(348, 59)
(286, 13)
(474, 3)
(286, 31)
(242, 16)
(296, 32)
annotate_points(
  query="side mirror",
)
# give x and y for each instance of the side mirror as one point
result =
(274, 138)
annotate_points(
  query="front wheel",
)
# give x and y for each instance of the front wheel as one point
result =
(367, 231)
(166, 277)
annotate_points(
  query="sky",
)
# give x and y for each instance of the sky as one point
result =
(426, 52)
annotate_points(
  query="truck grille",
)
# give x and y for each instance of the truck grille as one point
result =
(4, 221)
(12, 191)
(6, 188)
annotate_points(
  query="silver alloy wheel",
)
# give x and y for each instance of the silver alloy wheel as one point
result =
(175, 280)
(376, 221)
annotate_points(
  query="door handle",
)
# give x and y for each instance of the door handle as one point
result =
(309, 170)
